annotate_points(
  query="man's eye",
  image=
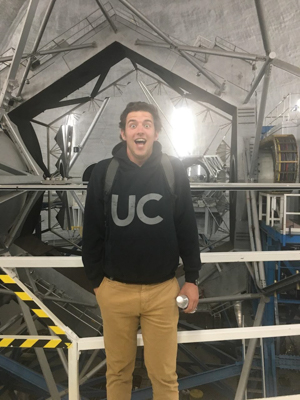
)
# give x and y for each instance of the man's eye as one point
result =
(132, 126)
(147, 125)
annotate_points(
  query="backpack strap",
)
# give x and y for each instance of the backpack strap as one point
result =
(109, 180)
(169, 172)
(110, 176)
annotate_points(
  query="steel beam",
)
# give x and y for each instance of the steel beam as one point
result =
(76, 198)
(292, 69)
(99, 82)
(260, 76)
(195, 187)
(262, 25)
(206, 257)
(73, 358)
(68, 48)
(61, 354)
(40, 353)
(88, 363)
(235, 297)
(13, 319)
(25, 374)
(110, 21)
(221, 387)
(203, 378)
(52, 51)
(90, 130)
(114, 82)
(260, 120)
(9, 196)
(8, 85)
(202, 50)
(209, 335)
(21, 218)
(167, 39)
(36, 44)
(240, 392)
(16, 138)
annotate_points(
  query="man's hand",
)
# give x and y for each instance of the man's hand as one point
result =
(95, 291)
(191, 291)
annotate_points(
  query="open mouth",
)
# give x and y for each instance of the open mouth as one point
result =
(140, 142)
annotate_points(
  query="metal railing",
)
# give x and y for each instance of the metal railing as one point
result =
(274, 209)
(8, 264)
(288, 109)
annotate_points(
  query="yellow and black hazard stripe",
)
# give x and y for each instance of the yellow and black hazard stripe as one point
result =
(28, 343)
(13, 286)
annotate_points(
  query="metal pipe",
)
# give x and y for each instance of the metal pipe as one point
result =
(69, 301)
(40, 353)
(90, 130)
(260, 75)
(20, 219)
(7, 87)
(82, 380)
(9, 196)
(238, 313)
(260, 120)
(262, 25)
(93, 371)
(52, 51)
(76, 198)
(69, 48)
(73, 381)
(171, 43)
(203, 71)
(61, 354)
(12, 320)
(250, 223)
(235, 297)
(67, 240)
(16, 138)
(88, 363)
(195, 187)
(110, 21)
(36, 44)
(256, 230)
(250, 354)
(292, 69)
(214, 52)
(116, 81)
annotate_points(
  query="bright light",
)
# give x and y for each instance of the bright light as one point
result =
(298, 103)
(183, 123)
(71, 120)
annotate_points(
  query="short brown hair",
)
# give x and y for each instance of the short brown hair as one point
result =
(141, 106)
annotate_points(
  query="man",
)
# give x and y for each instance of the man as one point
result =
(131, 247)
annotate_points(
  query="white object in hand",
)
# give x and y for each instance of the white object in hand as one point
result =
(182, 302)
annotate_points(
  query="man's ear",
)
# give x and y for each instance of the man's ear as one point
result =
(123, 136)
(156, 135)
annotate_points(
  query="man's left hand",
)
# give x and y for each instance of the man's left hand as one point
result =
(191, 291)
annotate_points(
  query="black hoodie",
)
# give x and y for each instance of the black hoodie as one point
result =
(145, 230)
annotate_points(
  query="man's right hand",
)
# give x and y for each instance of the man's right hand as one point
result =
(95, 291)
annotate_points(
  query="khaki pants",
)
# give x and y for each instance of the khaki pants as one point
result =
(123, 306)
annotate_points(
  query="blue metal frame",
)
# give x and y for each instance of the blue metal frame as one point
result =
(274, 240)
(30, 379)
(195, 380)
(279, 237)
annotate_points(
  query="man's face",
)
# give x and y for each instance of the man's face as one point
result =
(139, 134)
